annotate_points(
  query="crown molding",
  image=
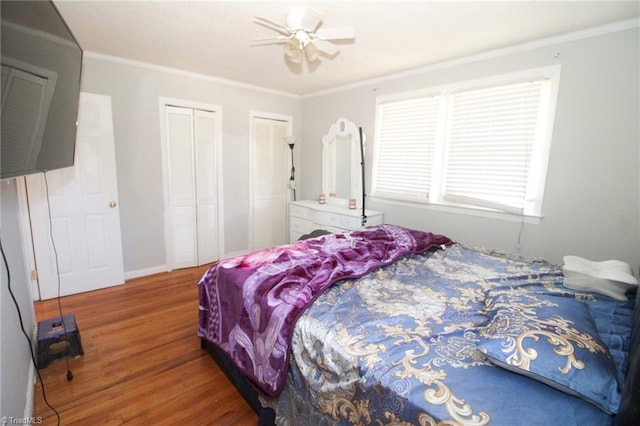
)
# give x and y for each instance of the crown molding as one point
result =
(183, 73)
(490, 54)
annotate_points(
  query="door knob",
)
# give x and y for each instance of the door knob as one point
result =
(112, 204)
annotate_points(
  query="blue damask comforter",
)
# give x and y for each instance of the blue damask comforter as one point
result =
(249, 304)
(457, 337)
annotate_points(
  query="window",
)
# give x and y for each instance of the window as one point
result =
(481, 145)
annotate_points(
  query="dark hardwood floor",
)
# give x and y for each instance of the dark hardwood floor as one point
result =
(142, 360)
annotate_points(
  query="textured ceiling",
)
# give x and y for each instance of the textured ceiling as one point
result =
(214, 37)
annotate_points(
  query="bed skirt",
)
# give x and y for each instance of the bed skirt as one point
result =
(266, 416)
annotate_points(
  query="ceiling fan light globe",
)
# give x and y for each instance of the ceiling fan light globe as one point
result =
(291, 47)
(293, 52)
(296, 59)
(312, 53)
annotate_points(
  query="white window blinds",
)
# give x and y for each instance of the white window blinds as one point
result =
(490, 142)
(481, 144)
(405, 148)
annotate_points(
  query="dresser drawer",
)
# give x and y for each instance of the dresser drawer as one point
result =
(294, 236)
(350, 222)
(375, 219)
(298, 211)
(306, 216)
(327, 219)
(301, 226)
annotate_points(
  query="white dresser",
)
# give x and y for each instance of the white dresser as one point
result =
(306, 216)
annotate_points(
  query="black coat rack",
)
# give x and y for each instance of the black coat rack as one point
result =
(292, 181)
(364, 194)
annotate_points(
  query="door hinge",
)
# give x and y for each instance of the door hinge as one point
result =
(34, 275)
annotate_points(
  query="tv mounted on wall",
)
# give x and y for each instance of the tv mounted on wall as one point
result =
(41, 66)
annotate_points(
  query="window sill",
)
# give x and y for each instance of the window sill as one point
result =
(466, 210)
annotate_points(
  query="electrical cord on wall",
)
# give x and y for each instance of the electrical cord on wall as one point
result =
(55, 256)
(31, 350)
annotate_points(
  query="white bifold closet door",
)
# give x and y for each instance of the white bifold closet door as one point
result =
(192, 187)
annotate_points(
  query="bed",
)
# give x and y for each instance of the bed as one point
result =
(393, 326)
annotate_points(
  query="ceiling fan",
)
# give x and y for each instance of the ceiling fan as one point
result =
(302, 33)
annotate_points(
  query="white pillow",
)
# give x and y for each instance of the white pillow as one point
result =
(610, 277)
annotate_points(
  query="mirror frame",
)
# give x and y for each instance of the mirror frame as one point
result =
(340, 129)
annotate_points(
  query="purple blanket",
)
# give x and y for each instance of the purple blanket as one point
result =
(249, 304)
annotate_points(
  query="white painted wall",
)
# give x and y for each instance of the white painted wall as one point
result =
(134, 90)
(591, 204)
(17, 372)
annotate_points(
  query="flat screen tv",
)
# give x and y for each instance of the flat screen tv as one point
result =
(41, 66)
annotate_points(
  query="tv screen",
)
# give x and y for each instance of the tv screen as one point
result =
(41, 65)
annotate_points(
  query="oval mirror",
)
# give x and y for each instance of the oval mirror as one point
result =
(341, 177)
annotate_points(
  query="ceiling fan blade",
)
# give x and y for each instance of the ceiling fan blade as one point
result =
(335, 33)
(272, 25)
(303, 18)
(270, 40)
(311, 19)
(325, 46)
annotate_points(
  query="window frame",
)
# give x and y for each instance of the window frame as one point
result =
(532, 211)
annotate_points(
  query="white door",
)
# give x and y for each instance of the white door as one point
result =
(85, 217)
(270, 159)
(192, 187)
